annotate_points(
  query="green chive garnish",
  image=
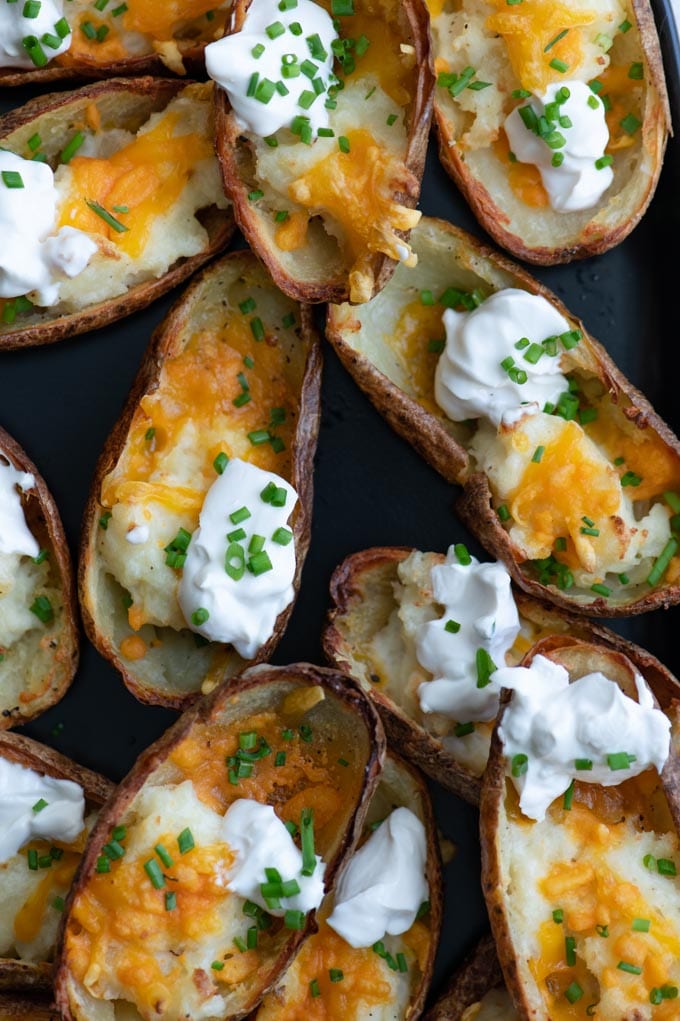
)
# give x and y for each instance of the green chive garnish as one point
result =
(185, 841)
(153, 871)
(112, 222)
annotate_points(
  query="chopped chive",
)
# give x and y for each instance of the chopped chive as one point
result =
(519, 765)
(307, 839)
(42, 608)
(240, 944)
(103, 864)
(559, 65)
(280, 759)
(170, 901)
(503, 512)
(485, 667)
(282, 536)
(257, 328)
(336, 974)
(558, 916)
(620, 760)
(662, 562)
(557, 38)
(666, 867)
(153, 871)
(602, 931)
(573, 992)
(538, 454)
(632, 969)
(604, 161)
(243, 398)
(242, 514)
(570, 950)
(217, 965)
(636, 71)
(601, 590)
(452, 626)
(314, 984)
(12, 179)
(164, 856)
(463, 729)
(461, 551)
(39, 805)
(185, 841)
(220, 462)
(641, 925)
(568, 797)
(110, 220)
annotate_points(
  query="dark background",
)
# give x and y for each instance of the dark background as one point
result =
(61, 401)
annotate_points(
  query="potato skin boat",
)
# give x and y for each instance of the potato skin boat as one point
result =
(592, 232)
(120, 103)
(366, 336)
(499, 814)
(205, 291)
(49, 672)
(16, 974)
(400, 786)
(27, 1008)
(343, 713)
(361, 604)
(305, 274)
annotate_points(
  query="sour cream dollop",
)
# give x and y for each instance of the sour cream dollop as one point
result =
(555, 724)
(15, 536)
(34, 259)
(23, 817)
(15, 27)
(479, 613)
(241, 611)
(578, 182)
(261, 841)
(269, 69)
(471, 382)
(384, 883)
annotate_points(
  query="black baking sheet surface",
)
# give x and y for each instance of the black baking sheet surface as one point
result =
(371, 488)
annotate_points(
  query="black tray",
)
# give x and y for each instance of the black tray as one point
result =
(371, 488)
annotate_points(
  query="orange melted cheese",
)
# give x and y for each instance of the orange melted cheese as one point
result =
(525, 179)
(199, 386)
(529, 27)
(310, 777)
(644, 453)
(159, 20)
(568, 483)
(357, 190)
(417, 325)
(30, 917)
(147, 177)
(591, 895)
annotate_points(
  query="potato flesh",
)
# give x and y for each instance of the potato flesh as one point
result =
(590, 864)
(171, 230)
(495, 1006)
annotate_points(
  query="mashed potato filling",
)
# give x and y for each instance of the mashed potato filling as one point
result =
(138, 196)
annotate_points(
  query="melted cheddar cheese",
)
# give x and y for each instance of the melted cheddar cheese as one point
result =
(528, 28)
(145, 177)
(417, 339)
(356, 189)
(525, 179)
(153, 22)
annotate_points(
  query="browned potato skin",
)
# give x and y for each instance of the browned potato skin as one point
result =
(578, 658)
(406, 787)
(209, 709)
(478, 975)
(24, 975)
(166, 340)
(233, 154)
(26, 1008)
(426, 434)
(44, 521)
(132, 67)
(348, 594)
(593, 239)
(154, 94)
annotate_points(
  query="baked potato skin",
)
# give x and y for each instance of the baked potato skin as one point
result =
(602, 231)
(494, 819)
(43, 518)
(479, 973)
(167, 340)
(145, 95)
(235, 162)
(440, 447)
(223, 702)
(26, 1008)
(25, 975)
(363, 578)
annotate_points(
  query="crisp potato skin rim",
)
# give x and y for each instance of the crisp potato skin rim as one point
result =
(14, 973)
(657, 126)
(61, 562)
(228, 143)
(426, 434)
(403, 732)
(207, 709)
(219, 224)
(163, 341)
(479, 973)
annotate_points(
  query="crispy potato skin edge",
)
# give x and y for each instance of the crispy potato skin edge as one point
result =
(415, 742)
(422, 430)
(23, 975)
(164, 340)
(219, 223)
(17, 1007)
(593, 240)
(208, 709)
(132, 67)
(478, 975)
(491, 818)
(61, 562)
(229, 143)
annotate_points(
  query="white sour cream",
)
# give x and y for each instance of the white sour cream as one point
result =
(15, 536)
(470, 381)
(15, 27)
(384, 884)
(576, 183)
(478, 598)
(261, 841)
(244, 62)
(34, 260)
(240, 612)
(22, 818)
(554, 723)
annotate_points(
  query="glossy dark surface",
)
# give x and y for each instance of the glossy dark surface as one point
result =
(61, 401)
